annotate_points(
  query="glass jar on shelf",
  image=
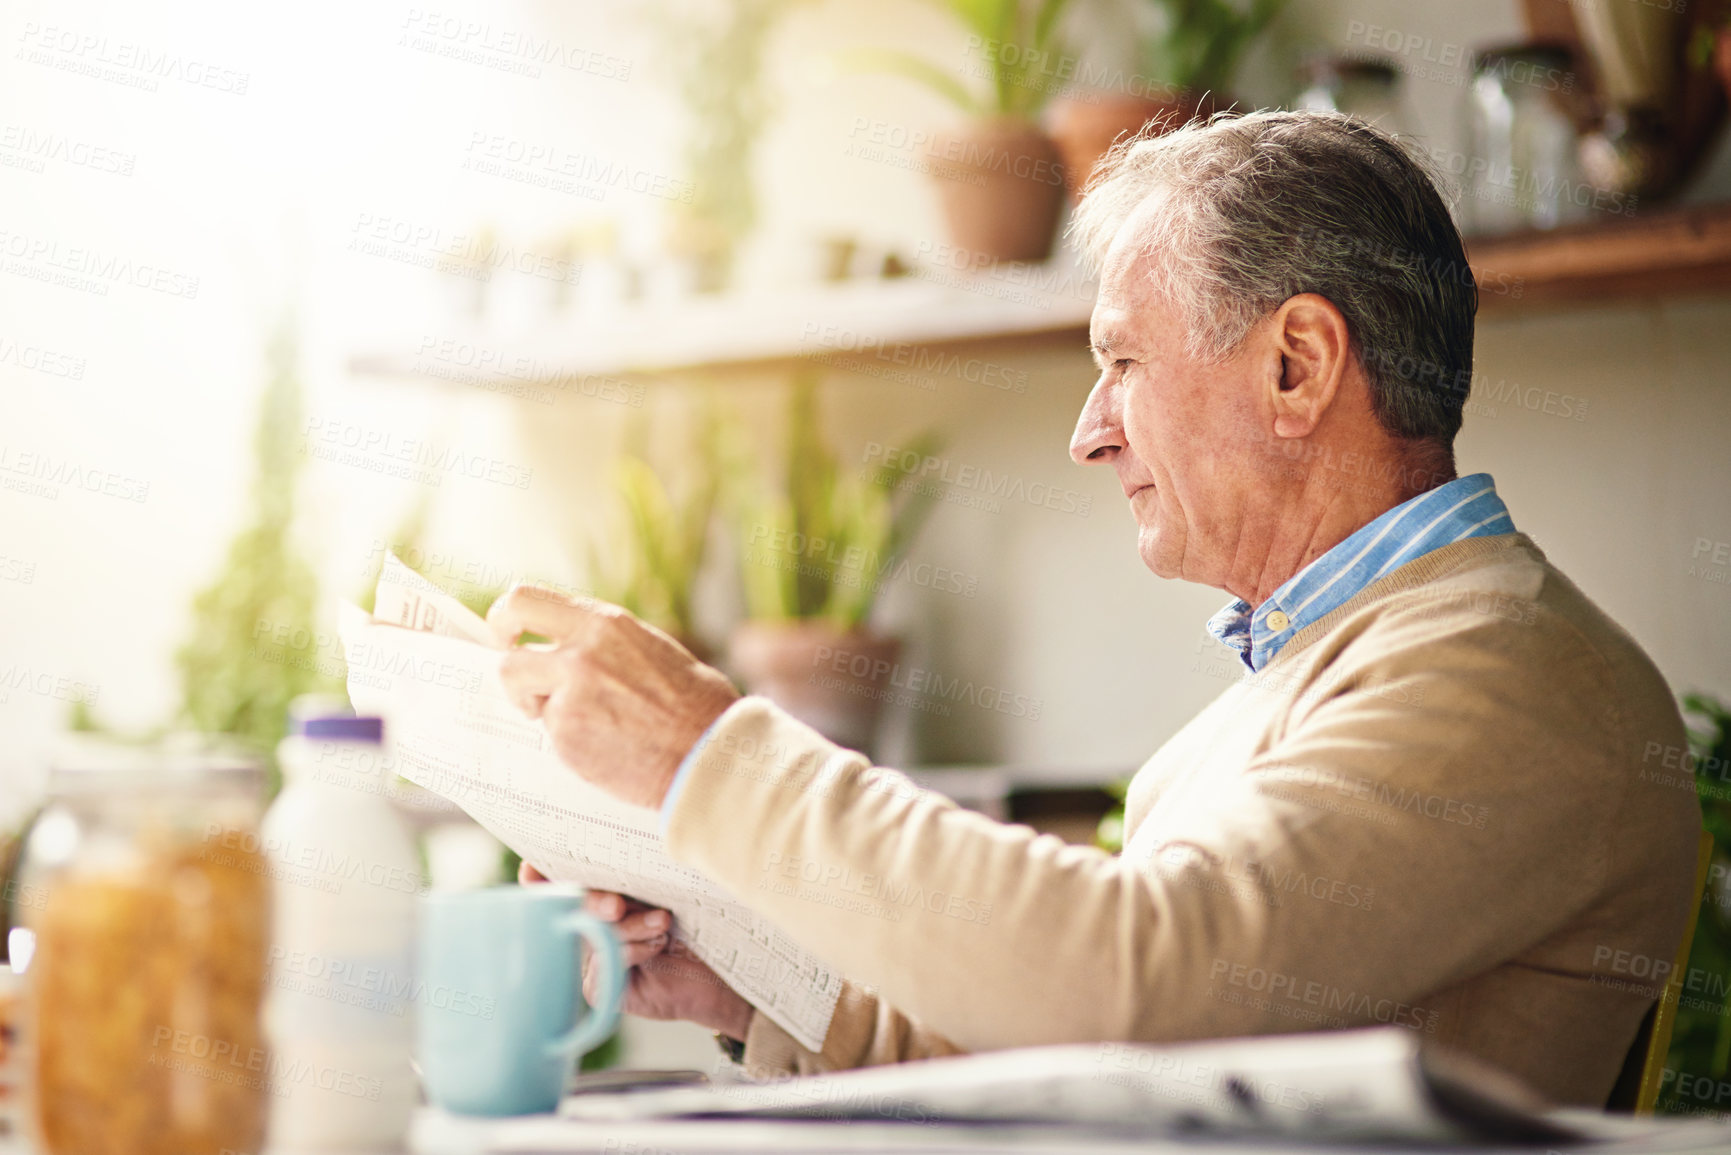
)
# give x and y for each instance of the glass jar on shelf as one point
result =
(1522, 171)
(143, 947)
(1360, 86)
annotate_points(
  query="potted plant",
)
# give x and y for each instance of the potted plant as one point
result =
(234, 678)
(1184, 70)
(813, 558)
(999, 176)
(651, 563)
(716, 60)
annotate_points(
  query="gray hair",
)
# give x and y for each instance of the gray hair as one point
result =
(1263, 207)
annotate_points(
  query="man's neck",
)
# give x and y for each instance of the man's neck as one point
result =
(1324, 509)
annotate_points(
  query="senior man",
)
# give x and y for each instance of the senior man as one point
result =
(1423, 803)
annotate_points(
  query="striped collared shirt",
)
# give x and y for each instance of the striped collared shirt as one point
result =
(1465, 507)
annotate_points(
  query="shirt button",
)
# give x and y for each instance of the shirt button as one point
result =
(1278, 622)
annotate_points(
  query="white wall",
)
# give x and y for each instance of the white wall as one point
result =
(259, 195)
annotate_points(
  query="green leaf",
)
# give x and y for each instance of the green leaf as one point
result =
(1046, 20)
(652, 566)
(845, 530)
(1204, 41)
(253, 644)
(981, 17)
(915, 68)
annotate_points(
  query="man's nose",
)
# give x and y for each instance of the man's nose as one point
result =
(1099, 430)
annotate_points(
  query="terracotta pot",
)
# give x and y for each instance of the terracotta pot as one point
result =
(833, 681)
(1086, 124)
(1002, 186)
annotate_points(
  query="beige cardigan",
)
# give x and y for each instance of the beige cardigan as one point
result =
(1443, 806)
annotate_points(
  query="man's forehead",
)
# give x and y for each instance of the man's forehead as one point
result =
(1107, 325)
(1126, 297)
(1123, 274)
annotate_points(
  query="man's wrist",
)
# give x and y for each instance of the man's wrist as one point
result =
(670, 794)
(705, 706)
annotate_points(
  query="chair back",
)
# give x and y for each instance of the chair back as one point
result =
(1637, 1089)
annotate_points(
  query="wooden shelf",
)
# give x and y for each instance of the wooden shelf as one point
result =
(884, 328)
(1674, 253)
(883, 325)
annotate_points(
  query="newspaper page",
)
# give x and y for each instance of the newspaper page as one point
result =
(1374, 1085)
(426, 664)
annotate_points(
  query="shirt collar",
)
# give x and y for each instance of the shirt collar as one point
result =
(1465, 507)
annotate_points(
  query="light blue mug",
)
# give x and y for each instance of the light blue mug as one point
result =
(499, 1024)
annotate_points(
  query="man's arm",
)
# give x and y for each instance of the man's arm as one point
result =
(1253, 901)
(1265, 902)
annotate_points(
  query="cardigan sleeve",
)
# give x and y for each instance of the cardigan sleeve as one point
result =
(864, 1032)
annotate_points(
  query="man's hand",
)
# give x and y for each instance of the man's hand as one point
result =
(666, 981)
(623, 702)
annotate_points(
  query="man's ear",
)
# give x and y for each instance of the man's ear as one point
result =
(1315, 347)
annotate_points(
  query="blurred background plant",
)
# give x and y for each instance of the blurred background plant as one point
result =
(716, 64)
(652, 563)
(1199, 44)
(1185, 57)
(821, 546)
(1701, 1037)
(255, 645)
(815, 552)
(999, 176)
(1019, 48)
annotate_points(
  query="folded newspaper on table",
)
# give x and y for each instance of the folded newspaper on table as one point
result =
(427, 664)
(1372, 1085)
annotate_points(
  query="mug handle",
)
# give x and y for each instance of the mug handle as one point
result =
(604, 1015)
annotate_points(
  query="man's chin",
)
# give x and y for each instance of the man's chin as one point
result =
(1159, 562)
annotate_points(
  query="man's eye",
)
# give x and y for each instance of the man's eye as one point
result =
(1121, 363)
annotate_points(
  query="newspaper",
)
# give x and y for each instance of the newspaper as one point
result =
(428, 665)
(1375, 1085)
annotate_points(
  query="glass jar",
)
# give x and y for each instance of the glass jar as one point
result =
(1522, 172)
(1357, 85)
(144, 951)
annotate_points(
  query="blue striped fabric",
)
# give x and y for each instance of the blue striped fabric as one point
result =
(1465, 507)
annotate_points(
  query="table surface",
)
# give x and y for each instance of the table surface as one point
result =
(438, 1133)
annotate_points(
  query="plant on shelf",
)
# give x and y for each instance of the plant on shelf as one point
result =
(1000, 176)
(650, 565)
(1017, 42)
(1185, 68)
(715, 59)
(1202, 41)
(814, 557)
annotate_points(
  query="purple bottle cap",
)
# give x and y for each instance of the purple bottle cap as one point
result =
(341, 728)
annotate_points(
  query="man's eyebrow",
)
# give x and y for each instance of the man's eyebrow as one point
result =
(1109, 346)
